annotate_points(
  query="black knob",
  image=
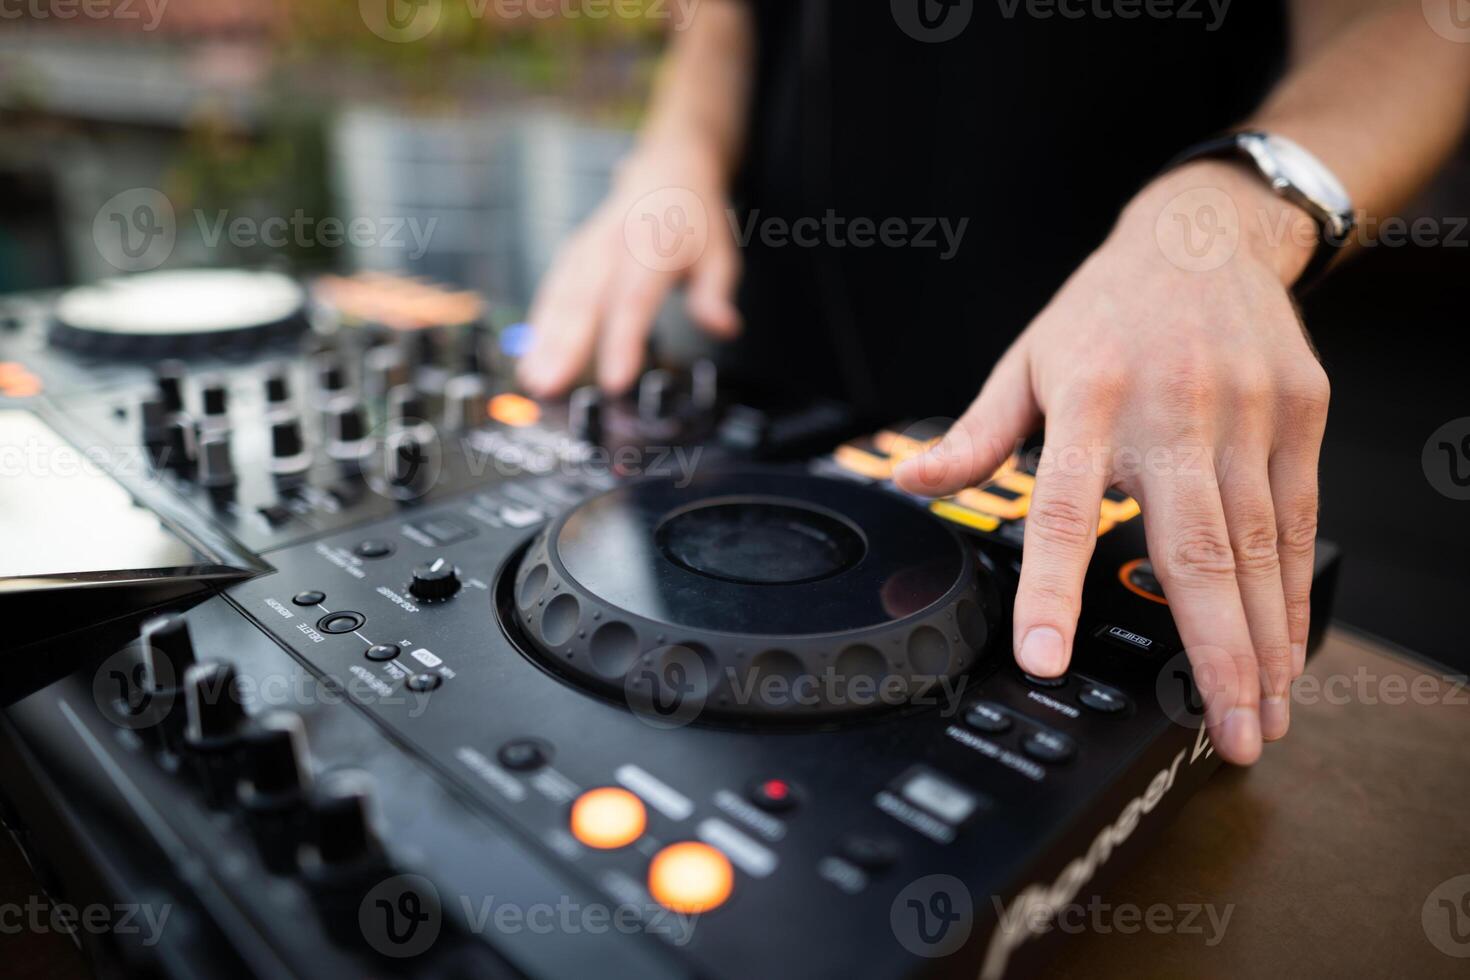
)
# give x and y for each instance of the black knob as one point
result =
(656, 395)
(471, 354)
(423, 347)
(183, 443)
(288, 450)
(216, 470)
(407, 460)
(584, 415)
(273, 759)
(168, 651)
(346, 430)
(435, 581)
(331, 375)
(170, 379)
(704, 381)
(383, 370)
(465, 403)
(342, 813)
(405, 405)
(212, 703)
(277, 388)
(215, 397)
(154, 422)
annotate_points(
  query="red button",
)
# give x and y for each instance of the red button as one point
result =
(773, 794)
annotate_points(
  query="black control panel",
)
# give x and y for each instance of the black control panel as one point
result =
(671, 685)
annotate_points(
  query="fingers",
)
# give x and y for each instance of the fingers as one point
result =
(1251, 517)
(711, 299)
(564, 319)
(1003, 414)
(635, 304)
(1061, 532)
(1194, 558)
(1293, 472)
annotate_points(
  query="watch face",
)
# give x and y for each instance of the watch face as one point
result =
(1306, 173)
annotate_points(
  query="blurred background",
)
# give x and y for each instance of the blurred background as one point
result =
(500, 123)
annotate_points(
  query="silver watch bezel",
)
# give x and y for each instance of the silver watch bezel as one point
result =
(1336, 217)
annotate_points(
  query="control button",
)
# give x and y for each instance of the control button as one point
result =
(515, 411)
(342, 817)
(435, 581)
(608, 817)
(1049, 746)
(273, 754)
(275, 514)
(584, 414)
(1099, 697)
(212, 705)
(1050, 682)
(277, 388)
(939, 796)
(523, 755)
(869, 852)
(373, 548)
(215, 398)
(340, 622)
(704, 384)
(424, 683)
(170, 379)
(168, 650)
(964, 516)
(312, 598)
(690, 877)
(216, 471)
(465, 403)
(380, 652)
(1125, 638)
(518, 517)
(656, 395)
(445, 530)
(775, 795)
(288, 448)
(406, 405)
(986, 717)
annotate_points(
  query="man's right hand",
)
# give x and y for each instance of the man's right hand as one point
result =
(664, 223)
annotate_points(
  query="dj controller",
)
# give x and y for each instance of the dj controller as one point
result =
(453, 683)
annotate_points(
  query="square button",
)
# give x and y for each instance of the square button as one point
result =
(444, 530)
(938, 796)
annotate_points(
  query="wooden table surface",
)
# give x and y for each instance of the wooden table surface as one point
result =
(1323, 856)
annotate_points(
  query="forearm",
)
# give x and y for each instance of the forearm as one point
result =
(702, 92)
(1374, 93)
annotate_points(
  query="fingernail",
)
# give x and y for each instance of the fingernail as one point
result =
(1241, 736)
(1298, 658)
(1275, 717)
(1042, 652)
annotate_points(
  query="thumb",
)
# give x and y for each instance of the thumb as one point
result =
(712, 282)
(1002, 415)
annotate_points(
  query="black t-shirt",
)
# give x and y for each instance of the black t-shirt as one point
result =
(1000, 156)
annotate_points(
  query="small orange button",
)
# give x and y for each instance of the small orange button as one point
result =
(608, 817)
(690, 878)
(514, 410)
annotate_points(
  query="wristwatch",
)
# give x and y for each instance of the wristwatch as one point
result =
(1299, 177)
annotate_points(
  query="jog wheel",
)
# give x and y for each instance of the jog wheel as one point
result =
(755, 594)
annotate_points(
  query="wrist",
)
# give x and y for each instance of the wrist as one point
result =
(1228, 199)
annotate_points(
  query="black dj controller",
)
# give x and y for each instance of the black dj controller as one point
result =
(673, 685)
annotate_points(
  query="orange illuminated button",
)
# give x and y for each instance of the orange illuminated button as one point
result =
(514, 410)
(690, 878)
(608, 817)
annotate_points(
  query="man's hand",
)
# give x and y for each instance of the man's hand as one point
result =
(663, 223)
(1173, 365)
